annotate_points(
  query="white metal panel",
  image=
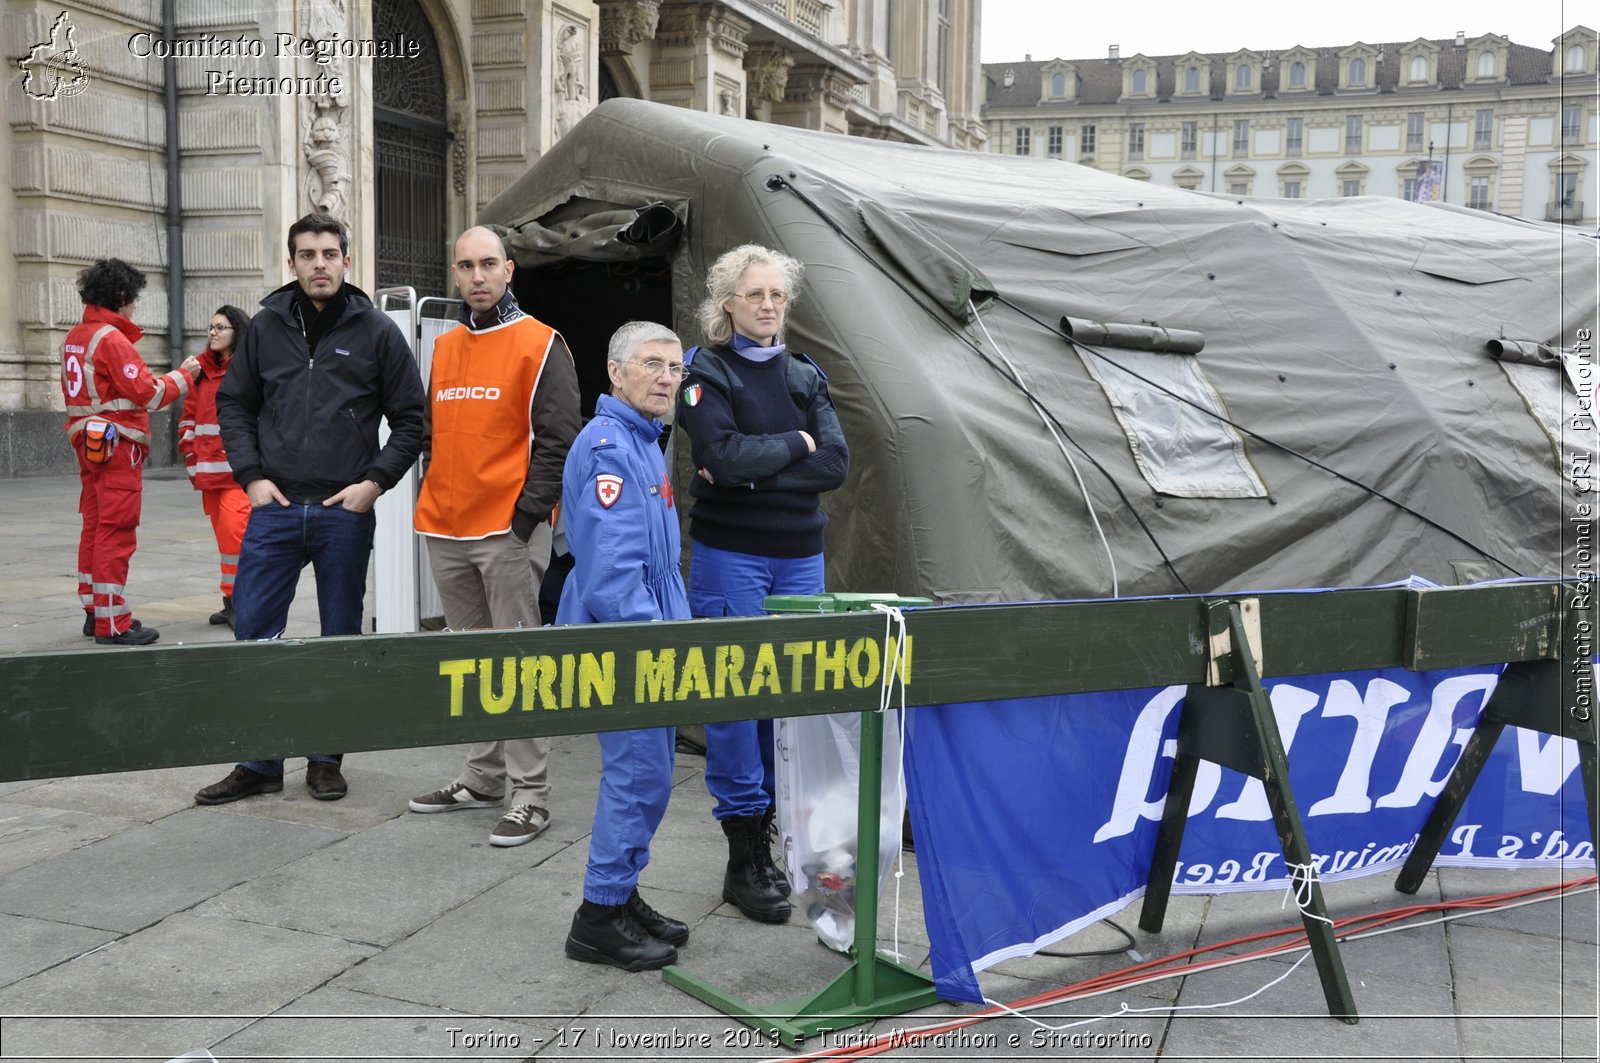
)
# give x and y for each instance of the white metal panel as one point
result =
(394, 552)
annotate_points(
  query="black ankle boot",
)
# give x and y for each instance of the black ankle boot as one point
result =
(748, 884)
(225, 614)
(771, 835)
(608, 934)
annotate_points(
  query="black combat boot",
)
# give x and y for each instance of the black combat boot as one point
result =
(771, 834)
(748, 885)
(225, 614)
(658, 926)
(609, 934)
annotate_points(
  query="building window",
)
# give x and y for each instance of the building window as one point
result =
(1191, 140)
(1486, 65)
(942, 44)
(1478, 193)
(1414, 132)
(1140, 80)
(1024, 140)
(1242, 77)
(1241, 138)
(1483, 128)
(1350, 187)
(1566, 190)
(1052, 142)
(1419, 68)
(1086, 142)
(1575, 59)
(1408, 190)
(1352, 134)
(1191, 79)
(1295, 138)
(1136, 141)
(1058, 85)
(1291, 190)
(1572, 125)
(1239, 188)
(1297, 75)
(1358, 72)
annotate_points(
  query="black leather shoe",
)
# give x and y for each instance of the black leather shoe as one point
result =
(241, 782)
(325, 781)
(608, 934)
(88, 624)
(137, 635)
(748, 884)
(655, 924)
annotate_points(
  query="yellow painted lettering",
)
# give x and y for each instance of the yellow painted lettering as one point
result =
(494, 704)
(694, 677)
(569, 668)
(653, 676)
(765, 673)
(904, 655)
(457, 671)
(863, 662)
(539, 674)
(597, 679)
(797, 652)
(730, 660)
(831, 664)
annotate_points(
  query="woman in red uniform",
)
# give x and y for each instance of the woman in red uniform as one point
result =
(200, 442)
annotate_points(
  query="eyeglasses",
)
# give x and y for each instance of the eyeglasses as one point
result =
(756, 296)
(219, 328)
(655, 367)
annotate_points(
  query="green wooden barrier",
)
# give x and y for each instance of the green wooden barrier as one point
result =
(122, 710)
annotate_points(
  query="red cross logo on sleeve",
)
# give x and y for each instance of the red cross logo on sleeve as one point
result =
(607, 489)
(666, 489)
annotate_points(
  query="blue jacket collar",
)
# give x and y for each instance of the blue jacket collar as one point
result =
(611, 406)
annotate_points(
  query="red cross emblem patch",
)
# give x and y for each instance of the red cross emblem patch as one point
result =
(607, 489)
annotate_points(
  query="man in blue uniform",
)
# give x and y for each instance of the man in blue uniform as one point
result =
(623, 533)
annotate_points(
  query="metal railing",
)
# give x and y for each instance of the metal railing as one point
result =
(1569, 212)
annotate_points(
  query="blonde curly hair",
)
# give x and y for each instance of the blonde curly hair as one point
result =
(722, 282)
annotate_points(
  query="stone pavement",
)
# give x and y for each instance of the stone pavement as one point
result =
(136, 925)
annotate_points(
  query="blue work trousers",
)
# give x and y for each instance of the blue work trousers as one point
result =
(635, 782)
(280, 541)
(723, 583)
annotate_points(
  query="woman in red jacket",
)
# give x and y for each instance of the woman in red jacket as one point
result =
(200, 441)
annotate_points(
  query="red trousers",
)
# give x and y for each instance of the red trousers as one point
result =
(109, 503)
(229, 510)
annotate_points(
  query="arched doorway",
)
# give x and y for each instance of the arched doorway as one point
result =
(411, 147)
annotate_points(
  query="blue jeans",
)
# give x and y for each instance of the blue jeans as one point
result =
(739, 771)
(280, 541)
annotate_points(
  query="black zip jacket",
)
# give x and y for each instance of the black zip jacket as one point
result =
(308, 420)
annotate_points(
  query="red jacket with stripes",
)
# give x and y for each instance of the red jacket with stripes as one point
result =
(103, 376)
(199, 437)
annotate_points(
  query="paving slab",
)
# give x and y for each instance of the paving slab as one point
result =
(1572, 918)
(157, 868)
(330, 1023)
(181, 984)
(28, 946)
(28, 834)
(134, 795)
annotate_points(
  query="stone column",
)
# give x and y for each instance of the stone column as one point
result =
(698, 59)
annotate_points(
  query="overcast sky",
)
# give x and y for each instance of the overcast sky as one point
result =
(1071, 29)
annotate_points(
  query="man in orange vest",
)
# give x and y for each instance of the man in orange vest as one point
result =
(503, 400)
(109, 393)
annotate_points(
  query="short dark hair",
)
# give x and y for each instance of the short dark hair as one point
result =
(320, 223)
(110, 283)
(236, 317)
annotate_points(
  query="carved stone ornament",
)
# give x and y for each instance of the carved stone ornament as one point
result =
(572, 76)
(458, 155)
(326, 145)
(767, 73)
(626, 23)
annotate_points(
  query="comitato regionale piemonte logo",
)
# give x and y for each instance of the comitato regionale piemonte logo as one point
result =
(53, 69)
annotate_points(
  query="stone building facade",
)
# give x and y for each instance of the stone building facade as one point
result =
(401, 117)
(1479, 121)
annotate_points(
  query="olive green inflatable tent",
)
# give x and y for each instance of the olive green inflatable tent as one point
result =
(1057, 382)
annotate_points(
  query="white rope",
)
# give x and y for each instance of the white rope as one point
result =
(1302, 882)
(894, 633)
(1061, 445)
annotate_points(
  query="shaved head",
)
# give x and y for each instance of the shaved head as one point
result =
(481, 232)
(481, 268)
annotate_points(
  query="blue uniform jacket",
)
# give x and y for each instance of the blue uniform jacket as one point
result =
(622, 526)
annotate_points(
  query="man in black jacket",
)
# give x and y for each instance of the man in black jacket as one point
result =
(299, 411)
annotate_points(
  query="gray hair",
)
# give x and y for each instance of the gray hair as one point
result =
(722, 281)
(636, 334)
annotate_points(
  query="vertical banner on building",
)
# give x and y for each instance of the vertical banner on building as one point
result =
(1061, 798)
(1427, 187)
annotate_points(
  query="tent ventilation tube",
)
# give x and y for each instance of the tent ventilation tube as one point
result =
(1133, 337)
(1528, 352)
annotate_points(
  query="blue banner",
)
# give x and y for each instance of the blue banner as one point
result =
(1038, 817)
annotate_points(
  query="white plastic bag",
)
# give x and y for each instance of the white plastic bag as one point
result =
(817, 769)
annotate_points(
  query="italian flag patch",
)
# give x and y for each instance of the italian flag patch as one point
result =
(691, 395)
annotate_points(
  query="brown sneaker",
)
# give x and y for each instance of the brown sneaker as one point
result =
(453, 797)
(522, 824)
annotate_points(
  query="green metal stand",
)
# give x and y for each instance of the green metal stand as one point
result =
(873, 986)
(1230, 722)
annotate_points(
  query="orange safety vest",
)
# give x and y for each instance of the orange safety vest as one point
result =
(481, 389)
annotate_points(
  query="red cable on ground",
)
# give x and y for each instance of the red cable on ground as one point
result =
(1296, 936)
